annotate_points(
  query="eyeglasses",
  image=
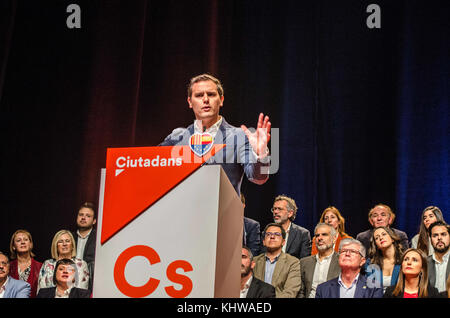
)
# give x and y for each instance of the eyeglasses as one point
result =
(351, 251)
(277, 209)
(276, 234)
(4, 263)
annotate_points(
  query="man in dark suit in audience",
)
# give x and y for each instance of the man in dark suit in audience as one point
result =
(85, 236)
(350, 283)
(381, 215)
(298, 239)
(251, 287)
(252, 233)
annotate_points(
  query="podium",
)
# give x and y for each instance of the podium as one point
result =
(172, 230)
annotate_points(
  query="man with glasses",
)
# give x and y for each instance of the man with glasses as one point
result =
(275, 267)
(10, 287)
(298, 239)
(350, 283)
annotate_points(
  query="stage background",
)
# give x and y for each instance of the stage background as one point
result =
(363, 113)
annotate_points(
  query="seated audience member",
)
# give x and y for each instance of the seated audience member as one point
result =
(381, 215)
(438, 264)
(275, 267)
(85, 236)
(10, 287)
(384, 261)
(23, 266)
(332, 216)
(298, 239)
(63, 246)
(64, 278)
(321, 267)
(252, 287)
(350, 283)
(422, 240)
(252, 233)
(413, 278)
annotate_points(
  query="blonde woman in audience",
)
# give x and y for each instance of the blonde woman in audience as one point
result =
(63, 246)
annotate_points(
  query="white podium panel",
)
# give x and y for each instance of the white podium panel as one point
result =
(187, 244)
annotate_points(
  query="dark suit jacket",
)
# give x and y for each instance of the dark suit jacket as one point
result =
(236, 158)
(330, 289)
(299, 242)
(74, 293)
(252, 235)
(307, 267)
(89, 249)
(364, 238)
(432, 292)
(260, 289)
(432, 270)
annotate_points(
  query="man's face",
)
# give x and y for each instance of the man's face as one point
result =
(350, 257)
(440, 238)
(4, 267)
(324, 240)
(380, 216)
(246, 264)
(273, 239)
(85, 218)
(280, 212)
(205, 101)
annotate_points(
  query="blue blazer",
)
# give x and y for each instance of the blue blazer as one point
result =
(330, 289)
(236, 158)
(373, 272)
(17, 289)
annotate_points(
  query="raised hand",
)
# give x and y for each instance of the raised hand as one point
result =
(261, 137)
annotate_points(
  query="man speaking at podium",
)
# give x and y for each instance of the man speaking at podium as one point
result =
(245, 151)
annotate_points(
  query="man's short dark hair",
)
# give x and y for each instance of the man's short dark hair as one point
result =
(64, 261)
(203, 78)
(283, 232)
(438, 223)
(88, 205)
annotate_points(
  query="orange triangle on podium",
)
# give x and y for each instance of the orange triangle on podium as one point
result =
(138, 177)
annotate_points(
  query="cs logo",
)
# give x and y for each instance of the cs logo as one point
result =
(152, 283)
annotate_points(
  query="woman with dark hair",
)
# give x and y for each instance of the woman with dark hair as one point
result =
(413, 278)
(64, 278)
(385, 252)
(422, 240)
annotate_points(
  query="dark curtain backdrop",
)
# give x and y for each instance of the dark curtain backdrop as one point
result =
(363, 114)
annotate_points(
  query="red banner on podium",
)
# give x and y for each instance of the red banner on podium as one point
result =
(138, 177)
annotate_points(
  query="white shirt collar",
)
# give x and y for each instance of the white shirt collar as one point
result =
(211, 130)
